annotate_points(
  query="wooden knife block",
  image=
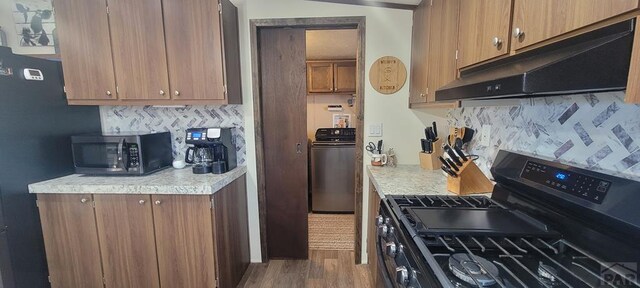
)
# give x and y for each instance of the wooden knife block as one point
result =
(430, 161)
(470, 180)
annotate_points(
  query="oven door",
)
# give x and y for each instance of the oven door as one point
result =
(100, 155)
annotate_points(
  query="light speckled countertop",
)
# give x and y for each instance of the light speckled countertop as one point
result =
(168, 181)
(409, 180)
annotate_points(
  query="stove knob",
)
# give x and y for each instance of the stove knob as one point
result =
(383, 230)
(379, 220)
(391, 249)
(391, 231)
(402, 276)
(387, 220)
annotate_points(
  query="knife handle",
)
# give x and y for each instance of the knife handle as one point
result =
(461, 154)
(453, 166)
(435, 129)
(451, 173)
(452, 154)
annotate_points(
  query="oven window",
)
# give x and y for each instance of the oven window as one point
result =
(96, 155)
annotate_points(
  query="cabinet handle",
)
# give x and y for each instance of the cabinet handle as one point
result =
(162, 92)
(84, 200)
(141, 202)
(158, 202)
(517, 33)
(497, 42)
(177, 93)
(109, 93)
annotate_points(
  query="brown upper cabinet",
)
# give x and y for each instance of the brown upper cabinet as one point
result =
(331, 76)
(484, 31)
(537, 21)
(433, 51)
(149, 52)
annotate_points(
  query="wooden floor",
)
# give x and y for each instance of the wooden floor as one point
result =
(323, 269)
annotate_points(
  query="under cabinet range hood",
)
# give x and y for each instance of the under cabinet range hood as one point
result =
(596, 61)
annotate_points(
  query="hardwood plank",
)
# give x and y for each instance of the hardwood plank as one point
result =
(184, 232)
(316, 265)
(85, 49)
(361, 276)
(127, 240)
(256, 274)
(194, 49)
(232, 232)
(345, 266)
(70, 240)
(284, 104)
(272, 273)
(295, 274)
(139, 53)
(331, 273)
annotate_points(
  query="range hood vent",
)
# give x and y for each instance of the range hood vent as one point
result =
(596, 61)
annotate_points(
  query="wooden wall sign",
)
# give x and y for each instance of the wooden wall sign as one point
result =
(387, 75)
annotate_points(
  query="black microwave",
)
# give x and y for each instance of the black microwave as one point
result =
(121, 154)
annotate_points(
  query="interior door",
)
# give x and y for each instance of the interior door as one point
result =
(284, 115)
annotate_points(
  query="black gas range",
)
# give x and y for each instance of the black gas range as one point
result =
(546, 225)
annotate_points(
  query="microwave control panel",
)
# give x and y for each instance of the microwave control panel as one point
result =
(576, 184)
(134, 156)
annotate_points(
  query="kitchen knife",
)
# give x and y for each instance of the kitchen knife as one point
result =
(444, 162)
(451, 173)
(429, 133)
(453, 166)
(435, 130)
(423, 144)
(379, 146)
(453, 155)
(426, 133)
(429, 146)
(461, 154)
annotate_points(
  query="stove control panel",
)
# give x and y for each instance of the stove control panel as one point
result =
(577, 184)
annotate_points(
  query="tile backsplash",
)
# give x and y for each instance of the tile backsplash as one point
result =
(176, 120)
(598, 131)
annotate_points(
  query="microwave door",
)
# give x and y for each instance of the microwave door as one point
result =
(99, 155)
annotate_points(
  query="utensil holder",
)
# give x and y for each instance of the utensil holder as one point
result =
(470, 180)
(430, 161)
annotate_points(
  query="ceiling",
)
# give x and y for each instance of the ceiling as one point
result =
(332, 44)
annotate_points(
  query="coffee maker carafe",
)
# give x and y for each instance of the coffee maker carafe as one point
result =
(213, 150)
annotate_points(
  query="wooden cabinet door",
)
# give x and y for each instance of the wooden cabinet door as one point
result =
(540, 20)
(127, 241)
(484, 31)
(194, 49)
(443, 45)
(419, 51)
(139, 54)
(319, 77)
(70, 240)
(85, 49)
(344, 76)
(184, 239)
(231, 232)
(372, 230)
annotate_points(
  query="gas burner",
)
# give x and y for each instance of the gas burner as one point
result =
(547, 273)
(480, 272)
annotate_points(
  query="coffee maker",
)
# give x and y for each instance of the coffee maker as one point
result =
(213, 150)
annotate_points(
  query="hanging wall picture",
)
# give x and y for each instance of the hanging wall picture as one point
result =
(387, 75)
(35, 23)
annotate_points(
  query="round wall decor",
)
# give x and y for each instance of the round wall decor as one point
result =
(387, 75)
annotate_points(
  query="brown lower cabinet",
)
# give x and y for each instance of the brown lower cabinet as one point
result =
(372, 252)
(124, 240)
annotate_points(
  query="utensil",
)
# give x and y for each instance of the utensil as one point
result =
(435, 130)
(461, 154)
(444, 162)
(426, 133)
(452, 165)
(429, 147)
(423, 144)
(379, 146)
(452, 155)
(371, 147)
(449, 171)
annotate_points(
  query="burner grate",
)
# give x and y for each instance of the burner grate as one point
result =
(444, 201)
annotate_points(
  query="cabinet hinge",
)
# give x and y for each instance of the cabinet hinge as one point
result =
(107, 9)
(49, 278)
(216, 282)
(117, 90)
(427, 93)
(431, 4)
(37, 203)
(224, 89)
(64, 89)
(104, 281)
(456, 54)
(219, 7)
(211, 203)
(93, 204)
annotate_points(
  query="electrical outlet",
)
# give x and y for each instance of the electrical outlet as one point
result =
(485, 135)
(375, 130)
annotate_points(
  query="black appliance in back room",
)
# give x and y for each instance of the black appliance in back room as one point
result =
(333, 157)
(546, 224)
(35, 128)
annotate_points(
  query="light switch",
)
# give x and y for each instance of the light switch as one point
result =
(375, 130)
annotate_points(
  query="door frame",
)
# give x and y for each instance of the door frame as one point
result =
(357, 23)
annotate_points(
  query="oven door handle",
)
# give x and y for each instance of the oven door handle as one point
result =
(121, 161)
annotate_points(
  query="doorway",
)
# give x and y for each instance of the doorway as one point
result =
(280, 108)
